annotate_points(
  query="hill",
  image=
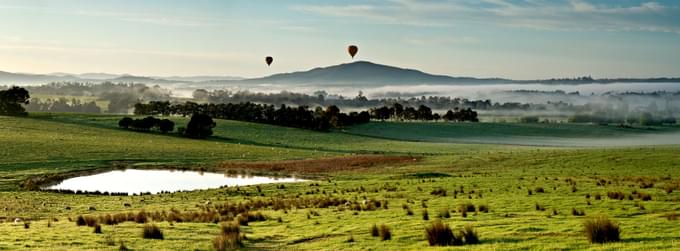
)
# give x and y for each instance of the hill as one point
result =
(364, 73)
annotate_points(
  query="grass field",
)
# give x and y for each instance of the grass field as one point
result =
(497, 175)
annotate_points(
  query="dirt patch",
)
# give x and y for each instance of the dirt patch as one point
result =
(338, 164)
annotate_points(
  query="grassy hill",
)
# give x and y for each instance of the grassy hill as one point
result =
(538, 134)
(530, 191)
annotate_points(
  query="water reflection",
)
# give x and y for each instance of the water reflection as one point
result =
(134, 181)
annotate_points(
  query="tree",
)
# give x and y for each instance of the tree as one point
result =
(166, 125)
(200, 94)
(125, 122)
(200, 126)
(11, 101)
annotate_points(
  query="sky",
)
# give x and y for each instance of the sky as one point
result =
(518, 39)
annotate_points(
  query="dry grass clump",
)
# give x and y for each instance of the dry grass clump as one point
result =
(438, 192)
(483, 208)
(671, 216)
(601, 230)
(440, 234)
(385, 233)
(375, 232)
(577, 212)
(151, 231)
(97, 229)
(86, 221)
(616, 195)
(470, 235)
(230, 237)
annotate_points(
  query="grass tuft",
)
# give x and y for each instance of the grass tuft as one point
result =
(601, 230)
(151, 231)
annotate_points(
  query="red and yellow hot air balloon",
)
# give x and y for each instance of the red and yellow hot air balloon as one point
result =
(352, 49)
(269, 60)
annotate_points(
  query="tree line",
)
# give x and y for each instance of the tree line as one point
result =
(399, 112)
(318, 119)
(62, 105)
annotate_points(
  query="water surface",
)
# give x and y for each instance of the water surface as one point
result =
(135, 181)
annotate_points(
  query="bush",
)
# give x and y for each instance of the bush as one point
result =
(470, 235)
(426, 215)
(125, 122)
(385, 233)
(152, 232)
(601, 230)
(440, 234)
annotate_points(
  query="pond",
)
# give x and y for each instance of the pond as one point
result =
(135, 181)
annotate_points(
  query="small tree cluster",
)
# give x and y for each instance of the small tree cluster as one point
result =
(146, 124)
(422, 112)
(11, 101)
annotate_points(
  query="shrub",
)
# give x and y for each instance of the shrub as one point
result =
(440, 234)
(152, 232)
(470, 235)
(601, 230)
(672, 216)
(125, 122)
(426, 215)
(385, 233)
(539, 190)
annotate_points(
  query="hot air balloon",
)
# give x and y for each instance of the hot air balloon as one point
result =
(352, 49)
(269, 60)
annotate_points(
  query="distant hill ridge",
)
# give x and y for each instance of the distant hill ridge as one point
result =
(360, 73)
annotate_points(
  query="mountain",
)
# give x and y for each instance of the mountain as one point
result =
(200, 78)
(10, 78)
(363, 73)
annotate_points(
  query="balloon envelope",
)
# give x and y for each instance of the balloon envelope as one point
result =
(269, 60)
(352, 49)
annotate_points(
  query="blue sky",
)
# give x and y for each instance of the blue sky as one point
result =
(520, 39)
